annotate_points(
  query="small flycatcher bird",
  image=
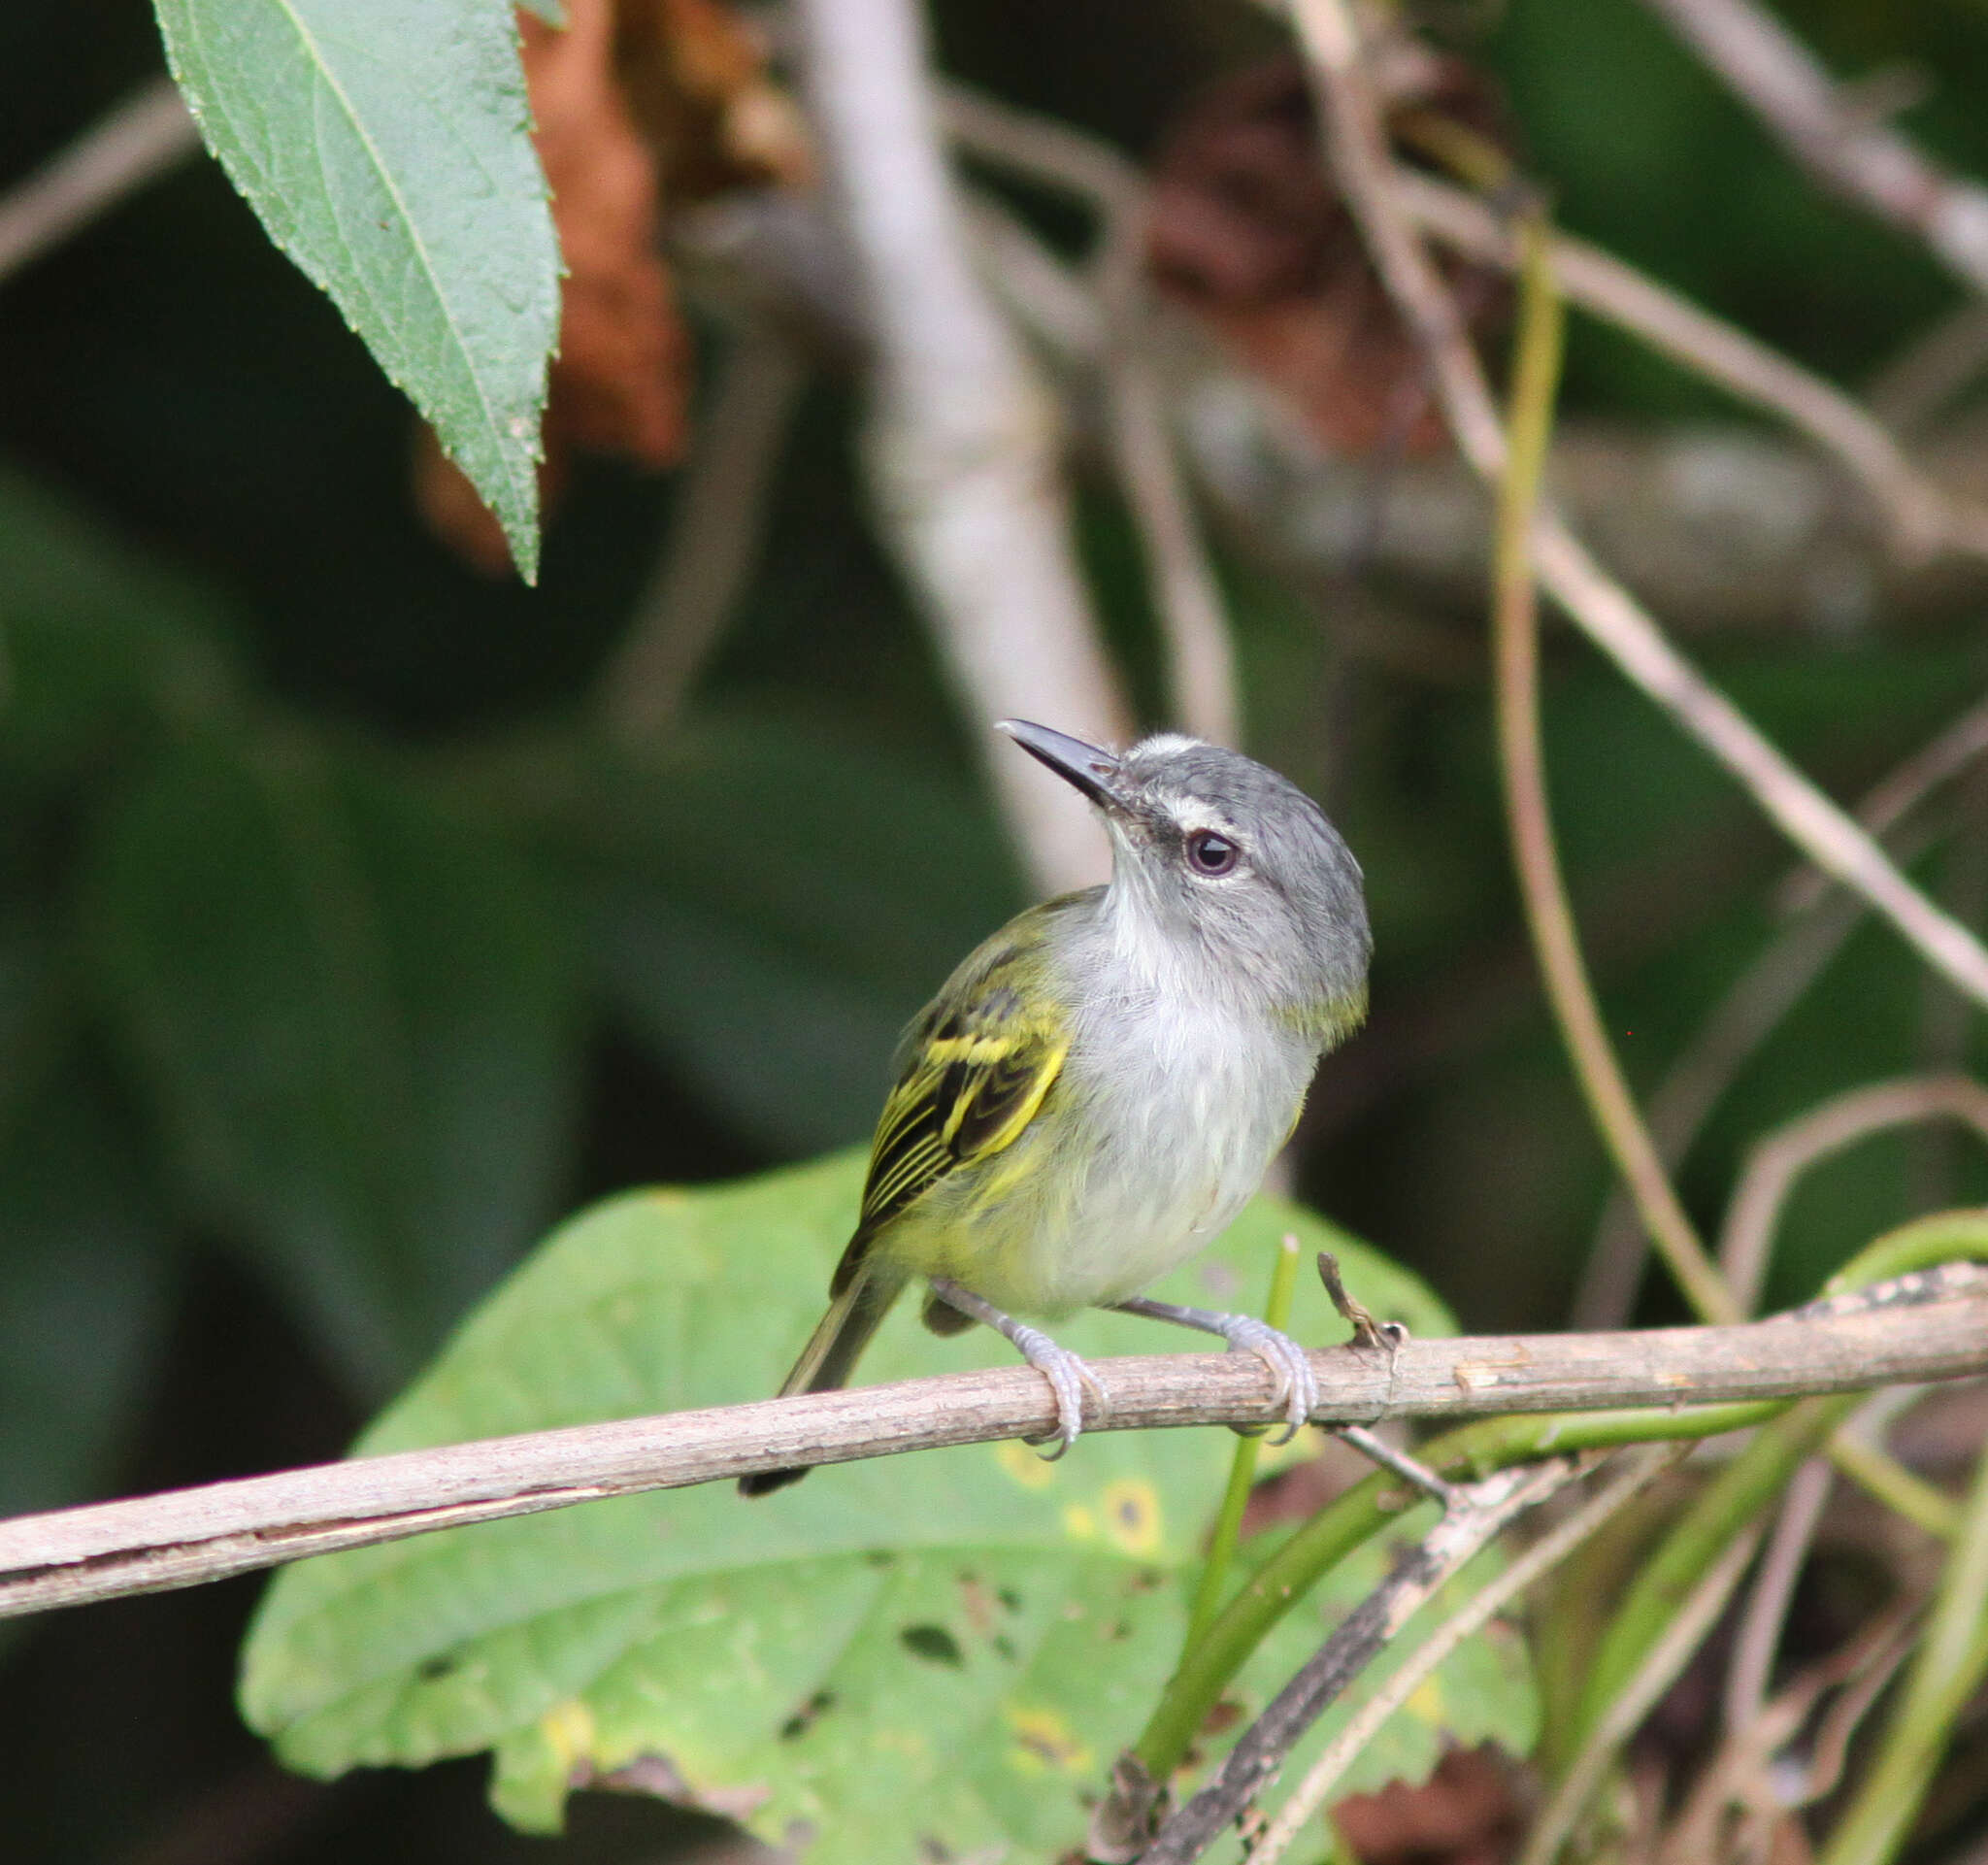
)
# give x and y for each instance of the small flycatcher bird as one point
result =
(1095, 1093)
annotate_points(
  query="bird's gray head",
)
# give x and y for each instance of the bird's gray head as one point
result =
(1220, 860)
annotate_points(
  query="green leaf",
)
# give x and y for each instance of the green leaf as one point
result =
(83, 1274)
(775, 904)
(947, 1646)
(97, 645)
(383, 144)
(355, 1013)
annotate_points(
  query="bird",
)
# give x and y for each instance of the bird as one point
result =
(1096, 1090)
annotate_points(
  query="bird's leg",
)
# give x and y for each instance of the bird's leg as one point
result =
(1067, 1374)
(1296, 1389)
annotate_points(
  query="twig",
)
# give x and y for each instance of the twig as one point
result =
(1607, 612)
(1516, 638)
(1186, 597)
(1869, 162)
(962, 441)
(1939, 761)
(1923, 517)
(1694, 1619)
(1529, 1568)
(1758, 1000)
(187, 1536)
(1773, 1586)
(1775, 1162)
(714, 535)
(1476, 1513)
(1741, 1776)
(1751, 1008)
(1919, 382)
(1201, 662)
(138, 141)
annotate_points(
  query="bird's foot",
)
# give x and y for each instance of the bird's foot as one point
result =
(1067, 1373)
(1297, 1385)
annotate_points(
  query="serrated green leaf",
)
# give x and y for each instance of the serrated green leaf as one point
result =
(354, 1010)
(385, 145)
(950, 1647)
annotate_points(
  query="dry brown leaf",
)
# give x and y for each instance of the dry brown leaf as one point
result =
(1246, 233)
(635, 103)
(1467, 1812)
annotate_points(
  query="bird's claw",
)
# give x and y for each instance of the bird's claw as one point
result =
(1068, 1375)
(1297, 1385)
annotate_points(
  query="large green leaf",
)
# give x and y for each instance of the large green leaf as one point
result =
(950, 1647)
(385, 145)
(355, 1012)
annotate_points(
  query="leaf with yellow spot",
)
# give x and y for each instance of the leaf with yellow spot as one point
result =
(852, 1653)
(1131, 1512)
(1046, 1743)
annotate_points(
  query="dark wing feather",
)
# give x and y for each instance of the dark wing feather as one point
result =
(972, 1073)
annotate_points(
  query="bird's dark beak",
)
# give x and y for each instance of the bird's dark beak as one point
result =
(1087, 766)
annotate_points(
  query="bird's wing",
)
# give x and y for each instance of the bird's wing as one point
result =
(972, 1073)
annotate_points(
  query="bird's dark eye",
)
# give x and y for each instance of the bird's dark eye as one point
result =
(1210, 853)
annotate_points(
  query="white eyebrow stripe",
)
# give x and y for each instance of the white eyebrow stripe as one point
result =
(1191, 816)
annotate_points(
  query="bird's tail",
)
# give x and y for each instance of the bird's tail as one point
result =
(832, 1351)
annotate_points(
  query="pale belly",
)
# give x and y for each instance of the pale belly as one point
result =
(1092, 1206)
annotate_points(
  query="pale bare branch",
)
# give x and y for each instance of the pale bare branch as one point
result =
(145, 135)
(1832, 134)
(191, 1536)
(1923, 517)
(962, 444)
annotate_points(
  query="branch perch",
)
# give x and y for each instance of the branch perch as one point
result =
(189, 1536)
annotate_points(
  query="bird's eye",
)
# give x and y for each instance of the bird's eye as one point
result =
(1210, 853)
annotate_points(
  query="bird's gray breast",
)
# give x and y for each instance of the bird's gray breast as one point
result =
(1183, 1100)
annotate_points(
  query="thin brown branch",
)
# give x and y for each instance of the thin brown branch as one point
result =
(1476, 1513)
(1768, 1599)
(1832, 136)
(1609, 614)
(187, 1536)
(1922, 517)
(1755, 1004)
(1530, 1567)
(1515, 639)
(1937, 761)
(1778, 1160)
(1696, 1616)
(714, 535)
(145, 135)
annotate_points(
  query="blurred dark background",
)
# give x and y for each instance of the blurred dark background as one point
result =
(337, 956)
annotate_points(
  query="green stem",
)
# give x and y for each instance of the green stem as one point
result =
(1556, 941)
(1475, 1450)
(1472, 1450)
(1228, 1529)
(1953, 1660)
(1725, 1509)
